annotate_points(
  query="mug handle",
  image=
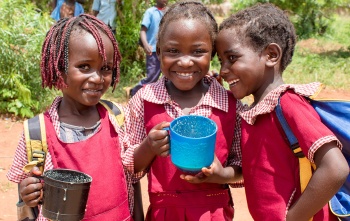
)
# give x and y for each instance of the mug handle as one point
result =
(168, 130)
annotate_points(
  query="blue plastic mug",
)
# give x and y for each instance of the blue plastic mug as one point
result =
(192, 142)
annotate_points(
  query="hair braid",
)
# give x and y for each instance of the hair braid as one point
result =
(55, 50)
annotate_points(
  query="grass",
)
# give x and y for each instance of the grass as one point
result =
(325, 59)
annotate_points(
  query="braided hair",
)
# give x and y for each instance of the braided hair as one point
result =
(189, 9)
(54, 53)
(261, 25)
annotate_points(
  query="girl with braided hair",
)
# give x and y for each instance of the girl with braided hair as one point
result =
(80, 57)
(255, 46)
(185, 48)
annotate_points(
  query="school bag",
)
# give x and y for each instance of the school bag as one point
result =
(35, 136)
(335, 114)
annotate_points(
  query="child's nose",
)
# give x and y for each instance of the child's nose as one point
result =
(185, 61)
(96, 77)
(223, 71)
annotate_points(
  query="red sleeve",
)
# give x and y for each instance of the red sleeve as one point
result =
(305, 123)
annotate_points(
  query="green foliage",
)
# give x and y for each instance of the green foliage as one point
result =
(43, 5)
(23, 27)
(20, 44)
(128, 32)
(310, 17)
(325, 59)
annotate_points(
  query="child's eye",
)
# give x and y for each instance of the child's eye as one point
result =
(172, 50)
(106, 68)
(199, 51)
(232, 58)
(84, 67)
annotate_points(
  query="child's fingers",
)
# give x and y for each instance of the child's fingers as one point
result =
(159, 131)
(198, 178)
(31, 191)
(165, 153)
(161, 125)
(35, 172)
(207, 171)
(159, 136)
(160, 147)
(188, 178)
(34, 202)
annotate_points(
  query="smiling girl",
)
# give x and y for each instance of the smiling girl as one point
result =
(80, 57)
(185, 89)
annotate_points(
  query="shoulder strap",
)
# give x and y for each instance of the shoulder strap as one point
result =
(36, 143)
(293, 141)
(114, 109)
(305, 166)
(36, 146)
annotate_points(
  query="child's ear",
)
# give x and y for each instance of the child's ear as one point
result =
(274, 54)
(158, 51)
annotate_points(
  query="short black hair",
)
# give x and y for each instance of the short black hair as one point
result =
(261, 25)
(189, 10)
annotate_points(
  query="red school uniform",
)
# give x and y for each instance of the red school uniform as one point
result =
(270, 169)
(16, 174)
(108, 195)
(172, 198)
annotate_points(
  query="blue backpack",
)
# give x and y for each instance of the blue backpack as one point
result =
(335, 114)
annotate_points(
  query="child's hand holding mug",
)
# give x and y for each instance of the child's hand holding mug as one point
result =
(158, 140)
(31, 188)
(212, 174)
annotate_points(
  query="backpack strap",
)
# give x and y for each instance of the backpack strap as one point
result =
(114, 109)
(36, 146)
(292, 140)
(36, 143)
(305, 166)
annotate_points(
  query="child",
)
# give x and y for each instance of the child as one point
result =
(80, 57)
(148, 38)
(254, 47)
(67, 9)
(185, 89)
(106, 11)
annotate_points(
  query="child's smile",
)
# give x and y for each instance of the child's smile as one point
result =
(232, 82)
(88, 75)
(185, 59)
(93, 92)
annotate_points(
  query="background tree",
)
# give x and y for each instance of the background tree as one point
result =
(310, 17)
(24, 23)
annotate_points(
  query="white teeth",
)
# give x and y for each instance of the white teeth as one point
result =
(184, 74)
(233, 82)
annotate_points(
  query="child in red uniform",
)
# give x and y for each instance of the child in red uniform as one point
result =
(81, 58)
(254, 47)
(185, 48)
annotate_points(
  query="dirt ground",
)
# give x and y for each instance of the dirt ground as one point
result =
(10, 132)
